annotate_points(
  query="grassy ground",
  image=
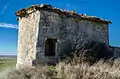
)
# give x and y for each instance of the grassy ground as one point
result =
(75, 69)
(7, 62)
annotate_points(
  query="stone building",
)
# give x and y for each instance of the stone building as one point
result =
(115, 51)
(45, 32)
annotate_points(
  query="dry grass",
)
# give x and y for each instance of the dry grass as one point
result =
(76, 69)
(36, 73)
(99, 70)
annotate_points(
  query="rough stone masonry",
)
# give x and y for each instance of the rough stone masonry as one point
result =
(45, 32)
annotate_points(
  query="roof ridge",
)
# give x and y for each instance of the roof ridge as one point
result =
(24, 12)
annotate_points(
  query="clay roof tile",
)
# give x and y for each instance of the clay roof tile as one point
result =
(23, 12)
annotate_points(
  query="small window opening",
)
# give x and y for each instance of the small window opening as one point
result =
(50, 46)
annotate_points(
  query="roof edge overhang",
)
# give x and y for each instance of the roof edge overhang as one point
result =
(23, 12)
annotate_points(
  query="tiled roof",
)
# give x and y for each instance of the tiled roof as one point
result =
(24, 12)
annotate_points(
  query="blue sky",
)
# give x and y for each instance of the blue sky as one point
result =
(107, 9)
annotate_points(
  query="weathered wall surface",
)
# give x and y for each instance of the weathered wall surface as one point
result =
(35, 28)
(27, 38)
(116, 52)
(67, 30)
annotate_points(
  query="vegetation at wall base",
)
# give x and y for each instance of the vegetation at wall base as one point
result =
(74, 69)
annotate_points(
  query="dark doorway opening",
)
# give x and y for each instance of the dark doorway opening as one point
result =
(50, 47)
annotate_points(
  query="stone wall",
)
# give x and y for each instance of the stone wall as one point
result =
(116, 51)
(68, 31)
(35, 28)
(27, 38)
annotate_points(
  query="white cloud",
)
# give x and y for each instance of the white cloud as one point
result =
(5, 6)
(6, 25)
